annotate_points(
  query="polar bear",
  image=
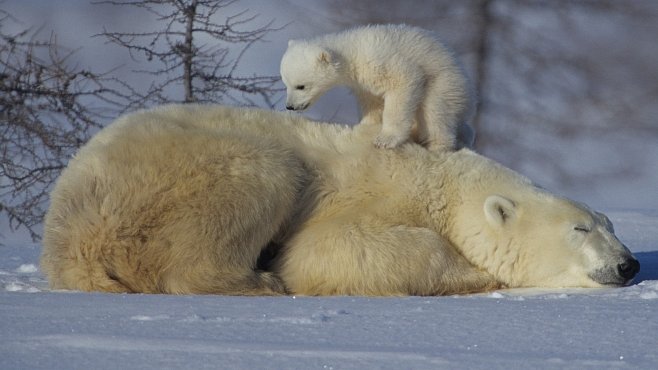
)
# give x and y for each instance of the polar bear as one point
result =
(399, 74)
(184, 199)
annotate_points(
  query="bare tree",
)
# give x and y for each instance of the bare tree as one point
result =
(554, 74)
(48, 108)
(194, 50)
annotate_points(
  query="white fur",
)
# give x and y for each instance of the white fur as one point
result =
(400, 75)
(183, 199)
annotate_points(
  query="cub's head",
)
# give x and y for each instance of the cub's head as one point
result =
(308, 71)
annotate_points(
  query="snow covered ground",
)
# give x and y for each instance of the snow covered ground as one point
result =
(585, 328)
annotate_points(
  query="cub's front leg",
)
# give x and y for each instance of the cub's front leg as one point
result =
(370, 106)
(401, 103)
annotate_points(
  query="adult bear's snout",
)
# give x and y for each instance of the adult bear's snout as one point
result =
(629, 268)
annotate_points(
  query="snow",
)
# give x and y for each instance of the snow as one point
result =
(521, 328)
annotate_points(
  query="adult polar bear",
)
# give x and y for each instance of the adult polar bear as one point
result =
(183, 199)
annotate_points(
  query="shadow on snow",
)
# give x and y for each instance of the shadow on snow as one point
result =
(648, 265)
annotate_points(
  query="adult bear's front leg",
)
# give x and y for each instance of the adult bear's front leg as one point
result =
(370, 258)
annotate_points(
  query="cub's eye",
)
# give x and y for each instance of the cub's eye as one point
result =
(300, 87)
(582, 229)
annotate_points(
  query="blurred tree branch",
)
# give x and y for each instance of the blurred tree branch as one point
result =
(195, 52)
(48, 108)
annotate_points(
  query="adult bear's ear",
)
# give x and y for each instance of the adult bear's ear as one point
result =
(291, 42)
(499, 210)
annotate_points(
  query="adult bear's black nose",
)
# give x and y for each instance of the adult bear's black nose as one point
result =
(290, 107)
(629, 268)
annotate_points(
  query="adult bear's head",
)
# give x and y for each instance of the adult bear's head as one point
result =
(528, 237)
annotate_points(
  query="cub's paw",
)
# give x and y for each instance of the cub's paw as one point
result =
(389, 141)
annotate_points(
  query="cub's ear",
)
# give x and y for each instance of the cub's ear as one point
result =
(291, 42)
(324, 57)
(499, 210)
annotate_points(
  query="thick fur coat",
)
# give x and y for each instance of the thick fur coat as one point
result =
(184, 199)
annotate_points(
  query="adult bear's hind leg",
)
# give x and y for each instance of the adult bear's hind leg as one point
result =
(248, 194)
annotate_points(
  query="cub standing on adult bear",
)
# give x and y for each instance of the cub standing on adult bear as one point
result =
(399, 74)
(183, 199)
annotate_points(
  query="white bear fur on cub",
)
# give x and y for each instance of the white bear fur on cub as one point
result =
(183, 199)
(399, 74)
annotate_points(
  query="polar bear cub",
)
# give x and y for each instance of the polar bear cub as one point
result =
(399, 74)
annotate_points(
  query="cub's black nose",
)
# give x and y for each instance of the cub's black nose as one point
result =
(629, 268)
(290, 107)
